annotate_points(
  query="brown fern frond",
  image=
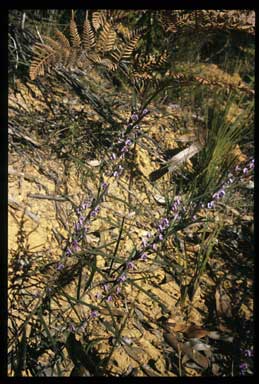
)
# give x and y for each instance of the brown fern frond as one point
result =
(129, 48)
(62, 39)
(107, 38)
(44, 56)
(88, 37)
(98, 20)
(95, 58)
(51, 42)
(75, 38)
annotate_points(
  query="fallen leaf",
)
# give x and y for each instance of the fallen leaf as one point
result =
(223, 303)
(194, 331)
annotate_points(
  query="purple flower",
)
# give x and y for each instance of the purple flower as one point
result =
(128, 142)
(122, 278)
(116, 174)
(252, 164)
(106, 287)
(72, 328)
(109, 298)
(237, 168)
(118, 289)
(120, 168)
(148, 235)
(145, 112)
(124, 149)
(210, 204)
(194, 217)
(68, 251)
(160, 236)
(154, 247)
(134, 117)
(104, 185)
(215, 196)
(245, 171)
(143, 257)
(94, 314)
(221, 193)
(130, 265)
(248, 352)
(113, 156)
(60, 267)
(75, 245)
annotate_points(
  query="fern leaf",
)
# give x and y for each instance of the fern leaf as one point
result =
(129, 48)
(107, 38)
(88, 38)
(98, 20)
(44, 56)
(62, 39)
(75, 38)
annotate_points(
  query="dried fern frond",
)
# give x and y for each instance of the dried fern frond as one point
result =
(107, 38)
(88, 37)
(44, 55)
(98, 20)
(129, 47)
(62, 39)
(75, 38)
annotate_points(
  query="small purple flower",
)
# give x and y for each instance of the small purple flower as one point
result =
(106, 287)
(72, 328)
(221, 193)
(174, 207)
(215, 196)
(60, 267)
(75, 245)
(143, 257)
(148, 235)
(124, 149)
(134, 117)
(94, 314)
(120, 167)
(245, 171)
(118, 289)
(237, 168)
(130, 265)
(165, 222)
(68, 251)
(210, 204)
(128, 142)
(104, 185)
(252, 164)
(248, 352)
(145, 112)
(194, 217)
(154, 247)
(160, 236)
(109, 298)
(116, 174)
(113, 156)
(122, 278)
